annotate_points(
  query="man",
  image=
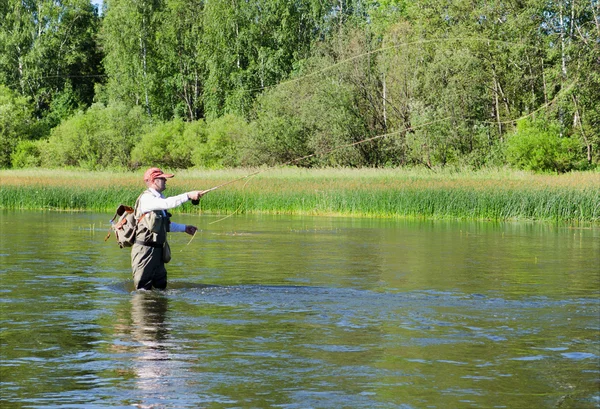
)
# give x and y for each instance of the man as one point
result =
(147, 253)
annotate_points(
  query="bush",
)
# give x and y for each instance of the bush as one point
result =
(100, 138)
(221, 148)
(153, 148)
(170, 144)
(279, 133)
(26, 155)
(303, 118)
(15, 123)
(538, 146)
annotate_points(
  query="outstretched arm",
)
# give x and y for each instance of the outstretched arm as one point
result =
(149, 202)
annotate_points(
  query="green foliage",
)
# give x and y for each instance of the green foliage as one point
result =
(128, 36)
(62, 106)
(279, 134)
(224, 136)
(194, 135)
(152, 150)
(181, 60)
(26, 155)
(48, 46)
(538, 146)
(177, 144)
(354, 83)
(15, 123)
(253, 45)
(99, 138)
(309, 118)
(158, 146)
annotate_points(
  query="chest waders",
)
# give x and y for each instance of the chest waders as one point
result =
(147, 259)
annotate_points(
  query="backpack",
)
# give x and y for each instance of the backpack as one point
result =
(126, 226)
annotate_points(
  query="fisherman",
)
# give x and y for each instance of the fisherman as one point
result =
(151, 251)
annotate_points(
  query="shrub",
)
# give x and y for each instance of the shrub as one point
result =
(538, 146)
(170, 144)
(221, 148)
(26, 155)
(304, 118)
(102, 137)
(153, 148)
(280, 134)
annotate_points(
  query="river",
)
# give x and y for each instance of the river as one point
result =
(301, 312)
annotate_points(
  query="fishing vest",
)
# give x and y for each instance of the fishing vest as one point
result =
(152, 227)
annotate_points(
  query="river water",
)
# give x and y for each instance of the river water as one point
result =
(281, 312)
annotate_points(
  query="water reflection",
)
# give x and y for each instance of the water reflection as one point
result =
(149, 330)
(148, 311)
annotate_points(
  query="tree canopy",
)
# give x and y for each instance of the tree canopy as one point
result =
(343, 83)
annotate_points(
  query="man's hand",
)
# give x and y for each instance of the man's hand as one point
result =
(191, 230)
(196, 194)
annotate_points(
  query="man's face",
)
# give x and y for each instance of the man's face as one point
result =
(160, 184)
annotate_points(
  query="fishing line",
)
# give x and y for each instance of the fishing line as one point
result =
(290, 162)
(236, 210)
(327, 152)
(330, 67)
(563, 90)
(377, 51)
(380, 136)
(226, 217)
(391, 47)
(194, 235)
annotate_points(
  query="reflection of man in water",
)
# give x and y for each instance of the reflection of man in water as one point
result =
(148, 312)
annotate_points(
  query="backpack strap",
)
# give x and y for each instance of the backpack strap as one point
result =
(137, 203)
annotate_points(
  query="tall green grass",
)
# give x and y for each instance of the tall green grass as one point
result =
(481, 196)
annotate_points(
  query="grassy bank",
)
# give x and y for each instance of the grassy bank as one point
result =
(488, 195)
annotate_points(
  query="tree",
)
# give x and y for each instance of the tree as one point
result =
(253, 45)
(48, 48)
(182, 60)
(15, 123)
(131, 62)
(573, 30)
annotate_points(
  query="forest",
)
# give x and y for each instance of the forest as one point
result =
(311, 83)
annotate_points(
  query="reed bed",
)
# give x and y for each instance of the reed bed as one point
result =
(489, 195)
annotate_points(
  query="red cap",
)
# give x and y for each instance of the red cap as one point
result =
(155, 173)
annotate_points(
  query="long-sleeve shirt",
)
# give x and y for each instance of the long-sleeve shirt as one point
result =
(156, 201)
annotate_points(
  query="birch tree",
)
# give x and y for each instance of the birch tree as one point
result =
(128, 37)
(48, 48)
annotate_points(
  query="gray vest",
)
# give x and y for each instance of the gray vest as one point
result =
(152, 228)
